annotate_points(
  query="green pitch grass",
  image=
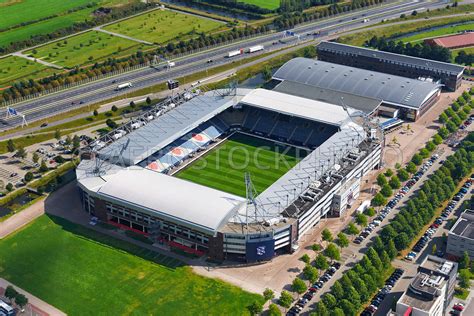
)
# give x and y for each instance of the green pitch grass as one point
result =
(83, 272)
(85, 48)
(224, 167)
(266, 4)
(162, 26)
(450, 30)
(13, 68)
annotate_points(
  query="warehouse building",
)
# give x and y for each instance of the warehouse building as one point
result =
(449, 75)
(412, 97)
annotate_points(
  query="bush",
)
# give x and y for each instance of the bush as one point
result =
(111, 123)
(28, 177)
(9, 187)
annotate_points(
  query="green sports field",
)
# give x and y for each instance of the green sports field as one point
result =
(224, 167)
(85, 48)
(162, 26)
(13, 68)
(450, 30)
(83, 272)
(267, 4)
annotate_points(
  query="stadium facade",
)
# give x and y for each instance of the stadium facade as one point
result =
(449, 75)
(127, 178)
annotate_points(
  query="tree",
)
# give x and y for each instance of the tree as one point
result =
(417, 159)
(370, 211)
(285, 299)
(305, 258)
(111, 123)
(316, 247)
(310, 273)
(388, 173)
(433, 249)
(321, 309)
(394, 182)
(9, 187)
(148, 100)
(342, 240)
(57, 134)
(321, 262)
(35, 157)
(378, 200)
(255, 308)
(381, 180)
(386, 190)
(43, 167)
(411, 167)
(361, 219)
(398, 165)
(327, 236)
(11, 146)
(273, 310)
(268, 294)
(132, 104)
(392, 250)
(267, 73)
(20, 153)
(298, 286)
(95, 113)
(352, 229)
(28, 177)
(464, 278)
(21, 300)
(329, 300)
(332, 252)
(114, 108)
(403, 175)
(465, 262)
(10, 292)
(401, 241)
(437, 139)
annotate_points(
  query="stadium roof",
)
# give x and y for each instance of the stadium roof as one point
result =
(395, 90)
(405, 60)
(287, 188)
(171, 198)
(166, 128)
(296, 106)
(367, 105)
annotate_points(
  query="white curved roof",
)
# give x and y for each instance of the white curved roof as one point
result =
(396, 90)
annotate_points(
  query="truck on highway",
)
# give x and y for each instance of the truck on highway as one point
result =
(123, 86)
(287, 40)
(256, 48)
(235, 53)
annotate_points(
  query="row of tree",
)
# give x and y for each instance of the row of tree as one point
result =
(464, 58)
(421, 50)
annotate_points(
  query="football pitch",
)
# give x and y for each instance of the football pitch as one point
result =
(266, 4)
(224, 166)
(83, 272)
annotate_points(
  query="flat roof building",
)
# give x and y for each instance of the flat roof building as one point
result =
(450, 75)
(461, 236)
(431, 290)
(414, 97)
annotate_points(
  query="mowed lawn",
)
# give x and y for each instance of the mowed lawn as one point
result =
(161, 26)
(450, 30)
(85, 48)
(224, 167)
(13, 68)
(266, 4)
(71, 267)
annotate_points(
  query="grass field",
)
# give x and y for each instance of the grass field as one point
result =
(162, 26)
(267, 4)
(85, 48)
(453, 29)
(14, 68)
(82, 272)
(223, 168)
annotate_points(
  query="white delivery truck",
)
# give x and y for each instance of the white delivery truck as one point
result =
(257, 48)
(124, 86)
(363, 207)
(235, 53)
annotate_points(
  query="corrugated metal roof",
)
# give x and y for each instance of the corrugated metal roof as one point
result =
(392, 89)
(392, 57)
(367, 105)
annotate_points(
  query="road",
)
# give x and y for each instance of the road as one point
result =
(100, 90)
(358, 251)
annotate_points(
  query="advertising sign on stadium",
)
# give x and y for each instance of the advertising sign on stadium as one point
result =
(261, 250)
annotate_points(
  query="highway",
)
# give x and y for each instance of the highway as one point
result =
(100, 90)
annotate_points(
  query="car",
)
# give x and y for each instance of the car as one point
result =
(209, 61)
(358, 240)
(455, 312)
(336, 264)
(440, 253)
(44, 124)
(458, 307)
(14, 174)
(313, 289)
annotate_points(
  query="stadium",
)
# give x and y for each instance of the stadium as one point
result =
(233, 174)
